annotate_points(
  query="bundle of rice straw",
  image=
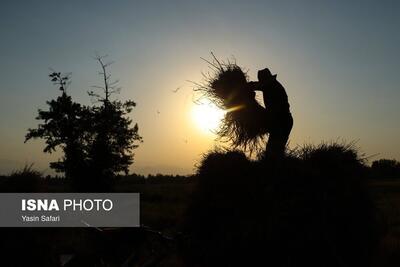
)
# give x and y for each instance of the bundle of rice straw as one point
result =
(244, 121)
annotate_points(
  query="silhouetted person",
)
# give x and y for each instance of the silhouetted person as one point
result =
(278, 119)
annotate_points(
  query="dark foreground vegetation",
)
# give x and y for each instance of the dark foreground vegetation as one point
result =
(319, 206)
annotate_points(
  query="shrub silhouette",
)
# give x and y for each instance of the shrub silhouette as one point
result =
(311, 209)
(26, 180)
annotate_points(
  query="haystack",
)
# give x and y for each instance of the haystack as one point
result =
(227, 86)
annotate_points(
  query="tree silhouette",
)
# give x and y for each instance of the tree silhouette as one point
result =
(113, 137)
(386, 168)
(63, 127)
(97, 142)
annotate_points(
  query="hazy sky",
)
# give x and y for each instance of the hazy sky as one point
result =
(339, 62)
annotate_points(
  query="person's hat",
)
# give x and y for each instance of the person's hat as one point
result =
(265, 75)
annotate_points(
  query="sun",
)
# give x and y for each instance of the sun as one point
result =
(207, 116)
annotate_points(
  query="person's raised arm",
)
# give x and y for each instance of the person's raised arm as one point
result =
(254, 86)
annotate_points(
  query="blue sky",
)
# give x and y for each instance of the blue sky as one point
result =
(337, 60)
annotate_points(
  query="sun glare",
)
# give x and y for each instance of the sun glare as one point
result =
(207, 116)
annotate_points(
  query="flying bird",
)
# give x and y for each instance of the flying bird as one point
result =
(176, 90)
